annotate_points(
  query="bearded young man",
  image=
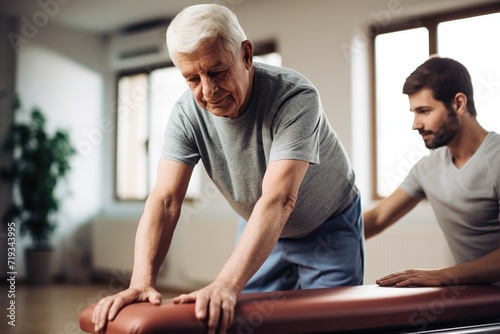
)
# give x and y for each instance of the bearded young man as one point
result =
(460, 178)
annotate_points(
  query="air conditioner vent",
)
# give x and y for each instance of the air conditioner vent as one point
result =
(144, 26)
(139, 52)
(139, 47)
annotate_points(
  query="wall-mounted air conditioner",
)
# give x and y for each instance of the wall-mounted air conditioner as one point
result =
(139, 46)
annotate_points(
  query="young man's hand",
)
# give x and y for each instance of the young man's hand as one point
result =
(415, 277)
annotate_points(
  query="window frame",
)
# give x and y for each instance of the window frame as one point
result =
(430, 22)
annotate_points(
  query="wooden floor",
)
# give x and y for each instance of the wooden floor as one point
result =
(53, 309)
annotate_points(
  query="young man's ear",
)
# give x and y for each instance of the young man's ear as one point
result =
(460, 103)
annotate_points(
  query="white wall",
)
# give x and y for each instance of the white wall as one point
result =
(61, 72)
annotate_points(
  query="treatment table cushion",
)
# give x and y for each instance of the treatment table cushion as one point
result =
(318, 310)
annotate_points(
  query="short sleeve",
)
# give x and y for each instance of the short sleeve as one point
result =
(411, 183)
(297, 126)
(178, 144)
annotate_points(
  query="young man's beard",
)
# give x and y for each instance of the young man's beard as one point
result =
(446, 132)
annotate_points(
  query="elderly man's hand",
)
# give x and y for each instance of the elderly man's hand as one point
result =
(214, 305)
(108, 307)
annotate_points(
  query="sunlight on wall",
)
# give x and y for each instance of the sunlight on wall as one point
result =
(360, 130)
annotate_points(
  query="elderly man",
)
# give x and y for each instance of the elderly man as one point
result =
(264, 140)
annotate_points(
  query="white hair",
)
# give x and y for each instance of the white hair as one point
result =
(199, 23)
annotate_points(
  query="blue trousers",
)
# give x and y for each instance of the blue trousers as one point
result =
(332, 255)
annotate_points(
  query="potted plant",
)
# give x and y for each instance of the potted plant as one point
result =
(40, 161)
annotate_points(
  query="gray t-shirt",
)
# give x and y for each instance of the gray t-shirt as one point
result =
(284, 120)
(466, 201)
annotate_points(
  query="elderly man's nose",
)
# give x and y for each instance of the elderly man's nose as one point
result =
(209, 87)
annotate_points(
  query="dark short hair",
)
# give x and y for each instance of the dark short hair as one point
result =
(445, 77)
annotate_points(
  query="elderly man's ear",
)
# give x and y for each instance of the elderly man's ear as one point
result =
(247, 49)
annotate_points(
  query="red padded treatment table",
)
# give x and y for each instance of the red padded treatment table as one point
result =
(318, 310)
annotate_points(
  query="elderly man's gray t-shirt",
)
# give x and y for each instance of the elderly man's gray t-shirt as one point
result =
(284, 120)
(466, 200)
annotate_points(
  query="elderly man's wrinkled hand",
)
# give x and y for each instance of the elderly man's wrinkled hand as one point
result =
(214, 305)
(108, 307)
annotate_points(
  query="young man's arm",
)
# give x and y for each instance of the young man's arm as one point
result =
(484, 270)
(154, 234)
(387, 212)
(215, 303)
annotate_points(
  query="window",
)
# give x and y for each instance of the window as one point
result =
(145, 101)
(470, 37)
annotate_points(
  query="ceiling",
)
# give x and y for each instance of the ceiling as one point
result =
(98, 16)
(105, 16)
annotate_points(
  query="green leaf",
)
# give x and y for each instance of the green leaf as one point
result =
(40, 162)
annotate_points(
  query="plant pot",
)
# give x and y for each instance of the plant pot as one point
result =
(38, 266)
